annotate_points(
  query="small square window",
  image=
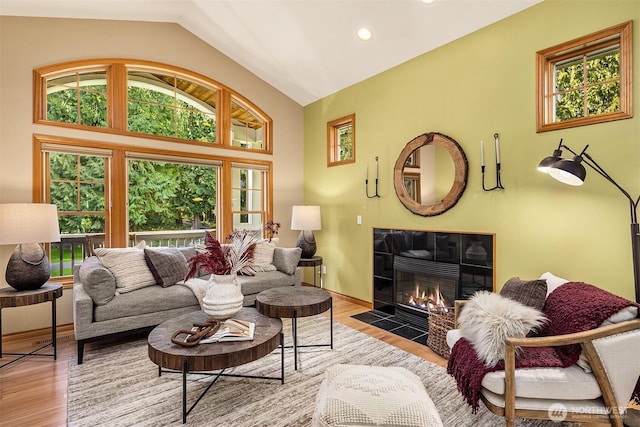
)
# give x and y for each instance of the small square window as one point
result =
(341, 141)
(586, 80)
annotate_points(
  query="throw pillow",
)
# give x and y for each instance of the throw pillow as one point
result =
(286, 259)
(263, 256)
(553, 281)
(532, 293)
(129, 267)
(488, 319)
(168, 265)
(97, 281)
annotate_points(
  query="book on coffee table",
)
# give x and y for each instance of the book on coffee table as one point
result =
(232, 330)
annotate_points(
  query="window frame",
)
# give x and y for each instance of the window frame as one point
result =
(117, 228)
(546, 60)
(333, 140)
(117, 74)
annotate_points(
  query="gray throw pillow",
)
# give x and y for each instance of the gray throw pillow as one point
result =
(97, 281)
(168, 265)
(286, 259)
(532, 293)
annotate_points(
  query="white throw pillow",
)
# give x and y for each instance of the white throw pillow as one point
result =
(263, 256)
(488, 319)
(552, 281)
(128, 266)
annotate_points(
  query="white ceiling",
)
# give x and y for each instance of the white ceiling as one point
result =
(307, 49)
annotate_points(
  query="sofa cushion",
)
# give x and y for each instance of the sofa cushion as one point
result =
(263, 256)
(168, 265)
(97, 281)
(532, 293)
(261, 281)
(488, 319)
(129, 267)
(151, 299)
(286, 259)
(570, 383)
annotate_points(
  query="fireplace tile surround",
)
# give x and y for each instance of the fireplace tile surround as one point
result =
(418, 271)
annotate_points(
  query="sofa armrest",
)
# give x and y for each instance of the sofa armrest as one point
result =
(82, 310)
(604, 370)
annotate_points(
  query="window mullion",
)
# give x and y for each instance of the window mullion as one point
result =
(117, 102)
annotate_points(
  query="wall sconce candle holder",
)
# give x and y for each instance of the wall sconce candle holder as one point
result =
(366, 181)
(498, 185)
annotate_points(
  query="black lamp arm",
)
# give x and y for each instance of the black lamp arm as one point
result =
(589, 161)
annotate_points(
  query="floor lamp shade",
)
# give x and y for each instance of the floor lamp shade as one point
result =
(306, 219)
(27, 225)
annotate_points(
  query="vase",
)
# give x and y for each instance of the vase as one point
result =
(224, 298)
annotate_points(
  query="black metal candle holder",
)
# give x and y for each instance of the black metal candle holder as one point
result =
(498, 185)
(366, 182)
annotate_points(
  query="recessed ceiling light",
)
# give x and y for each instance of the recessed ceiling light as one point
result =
(364, 34)
(428, 1)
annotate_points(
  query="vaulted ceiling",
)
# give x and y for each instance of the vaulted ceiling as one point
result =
(307, 49)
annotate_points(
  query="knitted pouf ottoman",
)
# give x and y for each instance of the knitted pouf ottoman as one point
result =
(373, 396)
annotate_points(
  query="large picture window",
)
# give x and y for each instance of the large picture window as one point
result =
(115, 195)
(585, 81)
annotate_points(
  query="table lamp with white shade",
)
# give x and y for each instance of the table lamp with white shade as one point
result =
(27, 225)
(306, 219)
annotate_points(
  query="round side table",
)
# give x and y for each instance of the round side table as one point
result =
(315, 261)
(293, 302)
(10, 297)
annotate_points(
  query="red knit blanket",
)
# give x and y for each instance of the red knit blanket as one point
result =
(572, 307)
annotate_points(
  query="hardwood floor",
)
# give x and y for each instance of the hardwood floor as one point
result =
(33, 391)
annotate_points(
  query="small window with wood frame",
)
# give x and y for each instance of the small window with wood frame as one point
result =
(341, 141)
(586, 80)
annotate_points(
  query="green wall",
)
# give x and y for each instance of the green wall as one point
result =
(470, 89)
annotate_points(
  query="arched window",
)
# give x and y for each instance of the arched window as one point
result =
(140, 97)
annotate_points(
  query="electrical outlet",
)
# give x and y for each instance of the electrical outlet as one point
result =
(359, 219)
(323, 270)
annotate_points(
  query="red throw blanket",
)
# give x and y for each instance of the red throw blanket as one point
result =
(572, 307)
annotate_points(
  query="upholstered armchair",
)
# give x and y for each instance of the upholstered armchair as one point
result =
(597, 388)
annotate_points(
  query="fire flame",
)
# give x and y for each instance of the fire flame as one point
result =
(434, 302)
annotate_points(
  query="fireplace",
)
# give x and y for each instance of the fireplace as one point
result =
(423, 286)
(416, 272)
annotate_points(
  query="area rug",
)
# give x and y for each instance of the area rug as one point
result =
(120, 386)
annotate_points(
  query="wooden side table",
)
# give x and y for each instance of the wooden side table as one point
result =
(315, 261)
(10, 297)
(294, 302)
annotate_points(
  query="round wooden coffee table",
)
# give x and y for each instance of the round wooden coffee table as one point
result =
(293, 302)
(204, 358)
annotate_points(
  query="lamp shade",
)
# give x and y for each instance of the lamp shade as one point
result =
(306, 218)
(547, 162)
(28, 223)
(570, 172)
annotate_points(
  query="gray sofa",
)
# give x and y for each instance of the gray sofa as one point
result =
(101, 308)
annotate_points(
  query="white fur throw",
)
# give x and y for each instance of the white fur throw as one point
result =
(488, 319)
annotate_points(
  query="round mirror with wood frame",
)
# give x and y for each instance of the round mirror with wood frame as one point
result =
(406, 158)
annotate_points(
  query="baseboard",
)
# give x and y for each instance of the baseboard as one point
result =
(348, 298)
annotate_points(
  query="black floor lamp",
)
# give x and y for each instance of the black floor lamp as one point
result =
(572, 172)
